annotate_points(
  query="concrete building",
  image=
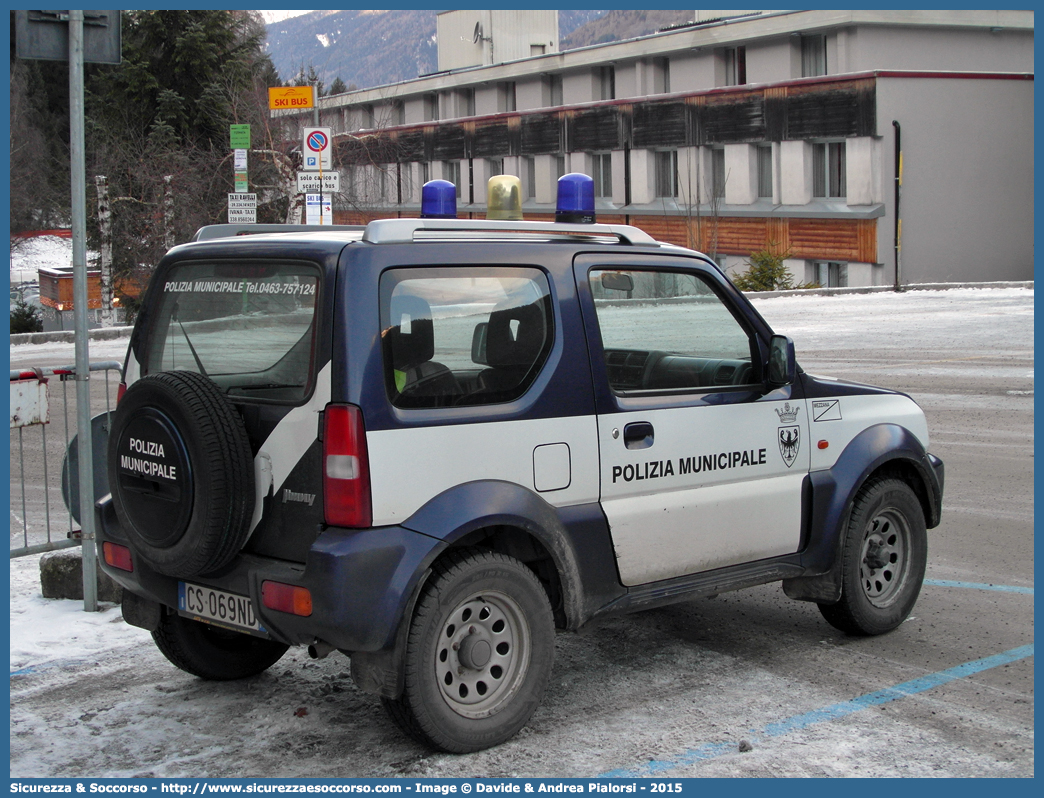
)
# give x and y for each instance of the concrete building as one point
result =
(731, 135)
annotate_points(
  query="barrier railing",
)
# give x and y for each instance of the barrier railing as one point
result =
(37, 479)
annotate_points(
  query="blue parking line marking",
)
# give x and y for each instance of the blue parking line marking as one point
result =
(832, 712)
(979, 586)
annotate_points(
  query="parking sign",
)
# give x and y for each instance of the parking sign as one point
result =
(318, 148)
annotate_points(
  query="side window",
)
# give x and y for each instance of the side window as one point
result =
(669, 331)
(458, 337)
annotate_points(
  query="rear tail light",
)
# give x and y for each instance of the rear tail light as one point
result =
(346, 468)
(120, 391)
(117, 556)
(286, 598)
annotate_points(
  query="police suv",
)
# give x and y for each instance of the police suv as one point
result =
(429, 443)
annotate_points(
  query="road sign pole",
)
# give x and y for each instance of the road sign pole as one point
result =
(315, 115)
(78, 186)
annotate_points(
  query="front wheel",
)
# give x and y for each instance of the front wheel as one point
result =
(478, 656)
(213, 653)
(886, 549)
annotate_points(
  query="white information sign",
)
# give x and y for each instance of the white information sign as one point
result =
(308, 182)
(318, 148)
(240, 160)
(242, 208)
(312, 205)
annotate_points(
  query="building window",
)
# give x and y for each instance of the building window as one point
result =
(537, 49)
(559, 166)
(735, 66)
(365, 117)
(495, 166)
(506, 96)
(830, 274)
(602, 166)
(606, 83)
(431, 107)
(382, 184)
(529, 172)
(399, 112)
(554, 90)
(828, 170)
(764, 152)
(662, 76)
(667, 173)
(718, 176)
(425, 172)
(467, 102)
(813, 56)
(451, 172)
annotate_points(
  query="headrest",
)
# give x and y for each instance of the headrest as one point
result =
(515, 336)
(410, 334)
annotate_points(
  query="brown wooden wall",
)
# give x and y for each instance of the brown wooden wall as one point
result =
(55, 290)
(853, 240)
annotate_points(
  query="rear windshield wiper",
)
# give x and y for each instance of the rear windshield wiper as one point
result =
(192, 349)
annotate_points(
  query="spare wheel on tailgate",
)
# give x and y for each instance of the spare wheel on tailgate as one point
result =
(181, 473)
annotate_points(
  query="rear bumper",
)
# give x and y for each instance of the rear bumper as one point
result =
(361, 582)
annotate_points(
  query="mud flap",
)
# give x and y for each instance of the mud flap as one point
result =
(141, 612)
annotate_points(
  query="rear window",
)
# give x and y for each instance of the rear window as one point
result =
(250, 327)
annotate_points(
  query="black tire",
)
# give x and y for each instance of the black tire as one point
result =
(886, 550)
(189, 512)
(210, 652)
(478, 655)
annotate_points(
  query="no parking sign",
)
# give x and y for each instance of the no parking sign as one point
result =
(317, 148)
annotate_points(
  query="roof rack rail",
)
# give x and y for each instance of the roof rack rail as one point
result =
(404, 231)
(212, 231)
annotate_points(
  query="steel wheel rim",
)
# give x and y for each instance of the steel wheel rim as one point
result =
(884, 559)
(482, 654)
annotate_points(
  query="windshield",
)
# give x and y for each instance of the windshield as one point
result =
(248, 326)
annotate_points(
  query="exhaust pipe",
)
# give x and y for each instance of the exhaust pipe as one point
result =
(319, 649)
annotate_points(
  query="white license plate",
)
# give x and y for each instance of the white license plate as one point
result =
(218, 607)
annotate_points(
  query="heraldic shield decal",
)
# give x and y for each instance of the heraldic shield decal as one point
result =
(789, 437)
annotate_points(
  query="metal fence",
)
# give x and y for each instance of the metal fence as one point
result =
(39, 519)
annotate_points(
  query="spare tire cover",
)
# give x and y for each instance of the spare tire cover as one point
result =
(181, 473)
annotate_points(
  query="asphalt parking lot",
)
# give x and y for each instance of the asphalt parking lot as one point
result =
(746, 684)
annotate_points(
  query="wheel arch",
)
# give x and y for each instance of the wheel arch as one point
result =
(492, 514)
(879, 451)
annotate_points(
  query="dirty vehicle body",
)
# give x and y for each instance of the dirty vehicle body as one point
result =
(429, 444)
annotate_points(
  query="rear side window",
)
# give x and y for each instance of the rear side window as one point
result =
(250, 327)
(458, 337)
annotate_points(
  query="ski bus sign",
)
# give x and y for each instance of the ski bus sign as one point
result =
(291, 98)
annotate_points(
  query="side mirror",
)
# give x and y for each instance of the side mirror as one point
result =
(478, 343)
(782, 365)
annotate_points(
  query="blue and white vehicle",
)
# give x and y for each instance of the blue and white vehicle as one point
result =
(429, 443)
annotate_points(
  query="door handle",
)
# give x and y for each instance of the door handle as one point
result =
(638, 435)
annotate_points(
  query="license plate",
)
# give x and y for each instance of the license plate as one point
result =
(217, 607)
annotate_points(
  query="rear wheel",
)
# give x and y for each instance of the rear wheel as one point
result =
(886, 550)
(213, 653)
(478, 656)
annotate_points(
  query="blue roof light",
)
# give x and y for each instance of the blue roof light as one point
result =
(439, 200)
(575, 199)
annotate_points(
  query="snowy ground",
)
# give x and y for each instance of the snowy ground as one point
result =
(92, 696)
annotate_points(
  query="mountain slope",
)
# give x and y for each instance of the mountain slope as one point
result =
(369, 48)
(623, 24)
